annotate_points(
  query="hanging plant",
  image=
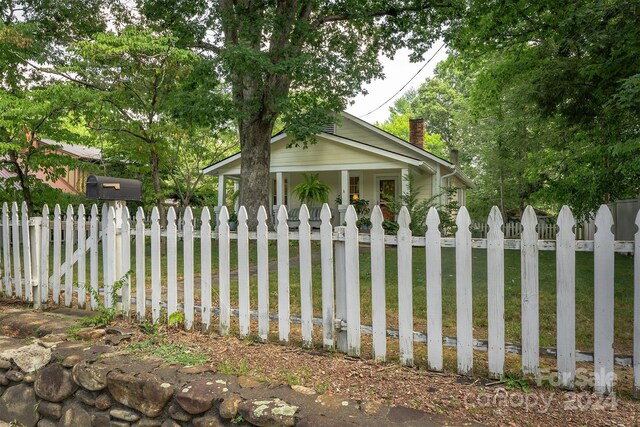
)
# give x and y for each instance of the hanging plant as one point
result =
(312, 190)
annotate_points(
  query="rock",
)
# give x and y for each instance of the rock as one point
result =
(198, 397)
(143, 392)
(4, 380)
(118, 331)
(71, 360)
(14, 376)
(90, 334)
(54, 383)
(47, 423)
(229, 406)
(303, 390)
(119, 424)
(5, 364)
(323, 421)
(248, 382)
(75, 416)
(29, 378)
(104, 401)
(31, 357)
(170, 423)
(195, 369)
(370, 407)
(2, 390)
(18, 403)
(148, 422)
(331, 401)
(402, 414)
(90, 376)
(124, 414)
(178, 414)
(268, 412)
(207, 422)
(50, 410)
(86, 397)
(100, 419)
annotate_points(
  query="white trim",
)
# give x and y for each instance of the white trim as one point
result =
(328, 168)
(370, 148)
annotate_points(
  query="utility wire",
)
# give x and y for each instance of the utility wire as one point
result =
(406, 84)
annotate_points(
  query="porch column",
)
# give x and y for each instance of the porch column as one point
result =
(344, 194)
(405, 182)
(435, 185)
(222, 184)
(236, 187)
(279, 197)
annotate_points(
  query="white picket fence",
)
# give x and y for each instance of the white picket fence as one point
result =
(25, 274)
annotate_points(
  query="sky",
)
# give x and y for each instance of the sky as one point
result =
(397, 72)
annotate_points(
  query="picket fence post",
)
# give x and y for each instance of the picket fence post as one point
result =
(636, 311)
(283, 275)
(110, 246)
(57, 252)
(566, 298)
(205, 269)
(244, 320)
(172, 264)
(155, 265)
(26, 252)
(341, 286)
(35, 230)
(93, 256)
(603, 272)
(263, 274)
(6, 251)
(352, 266)
(223, 271)
(82, 260)
(529, 298)
(464, 301)
(306, 302)
(405, 288)
(433, 256)
(495, 285)
(326, 264)
(44, 255)
(140, 266)
(17, 265)
(125, 253)
(188, 279)
(378, 291)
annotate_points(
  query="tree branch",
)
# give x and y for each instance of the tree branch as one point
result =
(392, 11)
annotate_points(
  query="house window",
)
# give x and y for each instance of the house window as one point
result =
(354, 186)
(285, 199)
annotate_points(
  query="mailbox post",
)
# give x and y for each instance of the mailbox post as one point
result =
(116, 192)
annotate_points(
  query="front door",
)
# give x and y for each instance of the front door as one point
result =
(386, 193)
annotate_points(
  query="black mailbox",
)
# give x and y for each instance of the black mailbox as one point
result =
(107, 188)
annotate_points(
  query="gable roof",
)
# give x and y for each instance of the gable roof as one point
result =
(81, 151)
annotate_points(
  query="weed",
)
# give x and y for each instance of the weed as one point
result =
(322, 387)
(237, 420)
(512, 380)
(148, 328)
(169, 352)
(72, 332)
(105, 315)
(176, 318)
(229, 368)
(291, 378)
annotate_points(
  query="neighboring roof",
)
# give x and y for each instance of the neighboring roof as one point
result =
(81, 151)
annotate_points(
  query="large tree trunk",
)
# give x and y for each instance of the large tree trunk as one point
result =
(255, 142)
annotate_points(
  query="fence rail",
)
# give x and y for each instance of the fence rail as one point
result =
(25, 274)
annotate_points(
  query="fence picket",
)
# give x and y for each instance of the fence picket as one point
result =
(110, 250)
(82, 260)
(223, 271)
(187, 241)
(464, 302)
(243, 273)
(603, 301)
(45, 237)
(103, 232)
(68, 259)
(155, 265)
(6, 250)
(172, 264)
(283, 275)
(326, 265)
(495, 289)
(306, 302)
(378, 282)
(57, 252)
(26, 253)
(205, 269)
(529, 297)
(566, 298)
(263, 274)
(636, 311)
(93, 256)
(352, 264)
(17, 265)
(141, 297)
(433, 255)
(405, 288)
(125, 232)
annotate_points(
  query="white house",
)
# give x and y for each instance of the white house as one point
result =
(353, 157)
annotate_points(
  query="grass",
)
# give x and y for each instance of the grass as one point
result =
(169, 352)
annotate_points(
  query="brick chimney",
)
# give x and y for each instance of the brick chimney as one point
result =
(454, 156)
(416, 132)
